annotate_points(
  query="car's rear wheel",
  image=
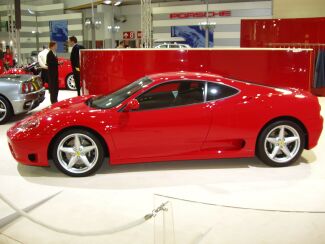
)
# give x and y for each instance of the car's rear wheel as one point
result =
(78, 152)
(70, 83)
(280, 143)
(5, 111)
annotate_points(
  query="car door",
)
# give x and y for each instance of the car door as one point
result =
(225, 133)
(172, 120)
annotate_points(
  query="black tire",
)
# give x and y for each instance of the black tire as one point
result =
(67, 85)
(263, 146)
(8, 113)
(62, 162)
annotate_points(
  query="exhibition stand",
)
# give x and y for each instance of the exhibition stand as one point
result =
(290, 33)
(105, 71)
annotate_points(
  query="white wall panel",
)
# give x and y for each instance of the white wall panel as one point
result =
(222, 35)
(27, 50)
(216, 35)
(212, 7)
(220, 21)
(43, 7)
(60, 17)
(44, 29)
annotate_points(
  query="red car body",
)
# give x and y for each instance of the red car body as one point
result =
(224, 128)
(65, 70)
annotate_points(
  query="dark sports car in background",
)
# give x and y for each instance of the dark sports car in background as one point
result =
(171, 116)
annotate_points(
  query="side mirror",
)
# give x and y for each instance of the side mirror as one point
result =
(132, 105)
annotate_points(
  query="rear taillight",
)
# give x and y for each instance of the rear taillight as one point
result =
(31, 87)
(27, 87)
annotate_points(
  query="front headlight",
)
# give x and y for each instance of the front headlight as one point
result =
(30, 124)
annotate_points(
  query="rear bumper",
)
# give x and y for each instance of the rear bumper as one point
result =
(27, 102)
(314, 132)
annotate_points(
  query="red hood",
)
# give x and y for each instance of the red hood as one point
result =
(71, 105)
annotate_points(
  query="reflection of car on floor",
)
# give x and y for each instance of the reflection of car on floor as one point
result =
(171, 116)
(66, 80)
(19, 94)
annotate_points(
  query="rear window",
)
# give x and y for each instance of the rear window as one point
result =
(219, 91)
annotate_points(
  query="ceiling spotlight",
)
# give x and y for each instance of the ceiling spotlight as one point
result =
(31, 11)
(107, 2)
(98, 23)
(114, 28)
(117, 3)
(88, 22)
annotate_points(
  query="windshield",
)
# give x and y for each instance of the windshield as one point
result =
(114, 99)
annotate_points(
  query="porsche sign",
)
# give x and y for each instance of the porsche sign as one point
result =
(193, 15)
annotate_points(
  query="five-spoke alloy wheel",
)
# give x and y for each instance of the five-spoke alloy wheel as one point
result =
(280, 143)
(70, 83)
(78, 152)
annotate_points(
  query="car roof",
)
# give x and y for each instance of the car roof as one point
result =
(183, 75)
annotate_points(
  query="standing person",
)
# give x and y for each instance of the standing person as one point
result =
(53, 72)
(1, 61)
(74, 58)
(8, 59)
(1, 54)
(121, 44)
(42, 63)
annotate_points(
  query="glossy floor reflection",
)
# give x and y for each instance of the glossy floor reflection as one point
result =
(120, 194)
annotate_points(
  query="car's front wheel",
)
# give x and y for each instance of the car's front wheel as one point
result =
(70, 83)
(5, 111)
(78, 152)
(280, 143)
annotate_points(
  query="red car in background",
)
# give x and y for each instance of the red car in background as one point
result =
(2, 68)
(171, 116)
(66, 80)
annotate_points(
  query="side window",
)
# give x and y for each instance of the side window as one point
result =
(172, 94)
(218, 91)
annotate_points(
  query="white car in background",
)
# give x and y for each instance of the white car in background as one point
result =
(173, 45)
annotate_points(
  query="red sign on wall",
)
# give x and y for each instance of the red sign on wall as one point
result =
(128, 35)
(192, 15)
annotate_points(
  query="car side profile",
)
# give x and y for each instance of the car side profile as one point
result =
(170, 116)
(19, 94)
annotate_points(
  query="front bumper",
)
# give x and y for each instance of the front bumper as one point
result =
(26, 149)
(27, 102)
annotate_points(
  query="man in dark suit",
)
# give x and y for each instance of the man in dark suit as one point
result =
(53, 72)
(74, 58)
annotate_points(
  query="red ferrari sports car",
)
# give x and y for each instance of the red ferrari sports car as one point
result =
(66, 80)
(170, 116)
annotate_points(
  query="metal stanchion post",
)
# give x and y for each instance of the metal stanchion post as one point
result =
(164, 225)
